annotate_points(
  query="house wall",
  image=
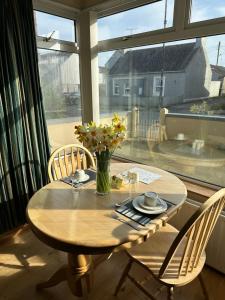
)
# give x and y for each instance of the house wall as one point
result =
(174, 90)
(214, 90)
(198, 75)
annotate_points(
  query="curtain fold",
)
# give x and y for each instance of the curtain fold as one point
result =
(24, 145)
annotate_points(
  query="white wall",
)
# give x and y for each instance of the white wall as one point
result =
(214, 90)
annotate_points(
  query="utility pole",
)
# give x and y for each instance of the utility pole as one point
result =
(218, 53)
(163, 60)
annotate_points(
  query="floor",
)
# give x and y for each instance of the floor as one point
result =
(25, 261)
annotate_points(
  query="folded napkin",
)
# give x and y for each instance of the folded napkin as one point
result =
(130, 212)
(69, 179)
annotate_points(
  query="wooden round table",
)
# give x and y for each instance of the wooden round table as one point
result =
(81, 223)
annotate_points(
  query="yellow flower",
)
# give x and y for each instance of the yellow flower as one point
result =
(119, 127)
(103, 137)
(115, 118)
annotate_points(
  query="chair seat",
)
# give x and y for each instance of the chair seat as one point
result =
(152, 253)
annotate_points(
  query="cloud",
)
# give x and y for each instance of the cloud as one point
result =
(141, 19)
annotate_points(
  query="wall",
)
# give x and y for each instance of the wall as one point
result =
(174, 90)
(198, 75)
(208, 128)
(61, 131)
(214, 90)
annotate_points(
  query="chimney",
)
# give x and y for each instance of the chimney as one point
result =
(200, 42)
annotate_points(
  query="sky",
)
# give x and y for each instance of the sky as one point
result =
(141, 19)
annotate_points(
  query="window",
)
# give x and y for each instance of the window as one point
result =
(193, 91)
(116, 88)
(207, 9)
(56, 27)
(126, 89)
(140, 91)
(141, 19)
(60, 80)
(158, 86)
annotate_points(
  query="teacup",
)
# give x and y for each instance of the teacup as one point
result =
(180, 136)
(79, 174)
(150, 199)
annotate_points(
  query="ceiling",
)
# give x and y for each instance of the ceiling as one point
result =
(82, 4)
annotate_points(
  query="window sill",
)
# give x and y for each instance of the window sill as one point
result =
(197, 190)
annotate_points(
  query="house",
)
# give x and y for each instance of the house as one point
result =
(218, 74)
(153, 76)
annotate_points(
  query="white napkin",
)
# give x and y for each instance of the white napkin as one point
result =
(144, 176)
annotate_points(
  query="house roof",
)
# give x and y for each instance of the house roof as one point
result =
(220, 70)
(177, 58)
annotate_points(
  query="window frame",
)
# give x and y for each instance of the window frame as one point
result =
(154, 91)
(181, 29)
(115, 85)
(57, 44)
(125, 88)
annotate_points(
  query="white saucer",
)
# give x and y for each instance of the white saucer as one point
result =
(160, 207)
(180, 139)
(83, 179)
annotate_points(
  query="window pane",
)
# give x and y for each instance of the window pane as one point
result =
(190, 140)
(145, 18)
(207, 9)
(60, 83)
(59, 28)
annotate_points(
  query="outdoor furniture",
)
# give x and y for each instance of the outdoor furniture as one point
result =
(65, 160)
(176, 258)
(81, 223)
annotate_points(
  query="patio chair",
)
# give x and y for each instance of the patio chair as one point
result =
(65, 160)
(176, 258)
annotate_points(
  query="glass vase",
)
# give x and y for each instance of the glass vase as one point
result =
(103, 178)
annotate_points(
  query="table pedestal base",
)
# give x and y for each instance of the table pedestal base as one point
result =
(77, 274)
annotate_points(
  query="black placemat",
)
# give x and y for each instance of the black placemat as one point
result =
(130, 212)
(69, 179)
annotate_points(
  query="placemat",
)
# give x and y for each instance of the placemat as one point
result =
(69, 179)
(130, 212)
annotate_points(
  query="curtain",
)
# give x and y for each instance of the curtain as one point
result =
(24, 145)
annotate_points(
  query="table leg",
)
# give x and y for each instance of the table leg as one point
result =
(78, 274)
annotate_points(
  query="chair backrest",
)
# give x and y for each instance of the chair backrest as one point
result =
(193, 238)
(65, 160)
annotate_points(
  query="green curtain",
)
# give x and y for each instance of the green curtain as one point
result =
(24, 145)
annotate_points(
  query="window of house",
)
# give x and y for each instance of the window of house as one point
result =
(116, 88)
(59, 28)
(147, 18)
(202, 10)
(140, 91)
(126, 89)
(60, 80)
(158, 86)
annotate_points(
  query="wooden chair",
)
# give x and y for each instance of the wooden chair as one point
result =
(65, 160)
(176, 258)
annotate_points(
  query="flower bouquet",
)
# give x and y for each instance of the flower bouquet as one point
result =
(103, 141)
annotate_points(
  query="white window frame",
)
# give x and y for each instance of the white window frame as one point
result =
(126, 87)
(115, 85)
(155, 85)
(181, 29)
